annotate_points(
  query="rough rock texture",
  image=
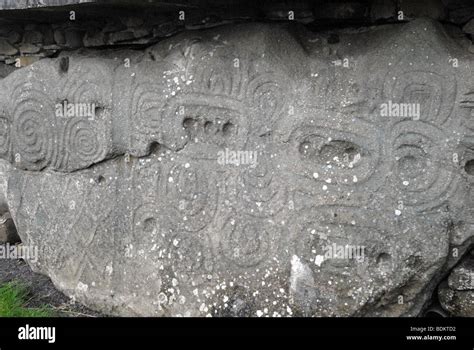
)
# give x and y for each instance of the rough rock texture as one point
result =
(456, 295)
(462, 277)
(134, 214)
(457, 302)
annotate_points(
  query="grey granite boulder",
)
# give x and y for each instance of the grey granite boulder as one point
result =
(247, 170)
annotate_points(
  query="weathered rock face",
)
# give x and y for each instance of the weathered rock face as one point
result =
(456, 295)
(218, 171)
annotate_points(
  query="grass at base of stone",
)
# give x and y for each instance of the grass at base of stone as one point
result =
(41, 291)
(13, 299)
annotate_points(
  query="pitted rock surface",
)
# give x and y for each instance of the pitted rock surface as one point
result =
(135, 215)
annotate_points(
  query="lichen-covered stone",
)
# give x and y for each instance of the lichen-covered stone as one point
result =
(141, 209)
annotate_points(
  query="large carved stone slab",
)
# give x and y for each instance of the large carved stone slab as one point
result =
(137, 212)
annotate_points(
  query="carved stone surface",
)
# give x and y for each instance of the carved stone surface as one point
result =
(135, 213)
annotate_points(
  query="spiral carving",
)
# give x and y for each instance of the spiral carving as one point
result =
(33, 130)
(88, 83)
(266, 93)
(82, 141)
(146, 107)
(245, 242)
(191, 196)
(434, 92)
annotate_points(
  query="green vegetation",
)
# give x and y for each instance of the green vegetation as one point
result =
(13, 298)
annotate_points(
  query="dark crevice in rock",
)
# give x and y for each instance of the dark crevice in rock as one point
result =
(8, 232)
(469, 167)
